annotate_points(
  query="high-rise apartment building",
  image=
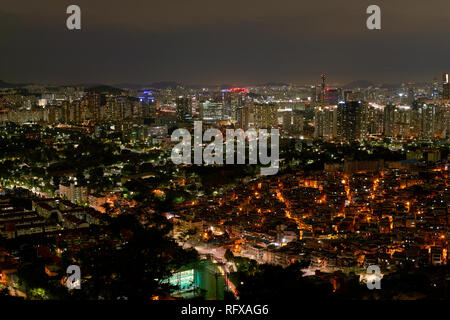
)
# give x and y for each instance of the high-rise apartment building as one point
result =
(325, 122)
(352, 120)
(446, 87)
(184, 108)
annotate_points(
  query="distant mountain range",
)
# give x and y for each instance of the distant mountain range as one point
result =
(363, 84)
(154, 85)
(173, 84)
(358, 84)
(170, 84)
(119, 88)
(105, 89)
(4, 84)
(275, 84)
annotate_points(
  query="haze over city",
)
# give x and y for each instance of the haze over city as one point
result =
(235, 42)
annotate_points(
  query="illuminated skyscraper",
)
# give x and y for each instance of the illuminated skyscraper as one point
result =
(211, 111)
(314, 98)
(232, 101)
(427, 116)
(148, 107)
(389, 120)
(184, 109)
(95, 101)
(402, 121)
(446, 87)
(352, 120)
(243, 117)
(265, 115)
(322, 100)
(325, 122)
(375, 119)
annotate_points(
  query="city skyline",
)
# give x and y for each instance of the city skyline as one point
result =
(359, 182)
(231, 151)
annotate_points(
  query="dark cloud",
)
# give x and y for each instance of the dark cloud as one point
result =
(214, 41)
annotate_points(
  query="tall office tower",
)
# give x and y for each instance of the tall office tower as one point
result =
(232, 100)
(265, 115)
(352, 120)
(445, 87)
(184, 108)
(148, 107)
(211, 111)
(325, 122)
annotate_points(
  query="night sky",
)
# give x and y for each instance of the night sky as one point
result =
(213, 42)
